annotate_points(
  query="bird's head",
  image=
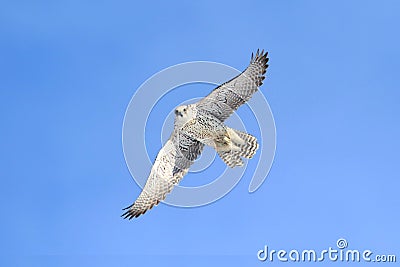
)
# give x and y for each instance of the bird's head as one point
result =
(181, 111)
(183, 114)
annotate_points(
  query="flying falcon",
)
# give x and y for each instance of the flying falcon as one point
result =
(200, 124)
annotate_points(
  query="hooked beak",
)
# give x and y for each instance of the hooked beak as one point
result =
(178, 113)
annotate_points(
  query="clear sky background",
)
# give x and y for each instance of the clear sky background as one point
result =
(68, 70)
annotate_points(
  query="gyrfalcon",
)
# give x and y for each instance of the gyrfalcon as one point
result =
(200, 124)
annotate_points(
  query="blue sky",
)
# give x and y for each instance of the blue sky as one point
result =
(69, 69)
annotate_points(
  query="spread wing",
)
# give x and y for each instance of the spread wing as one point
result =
(172, 163)
(228, 97)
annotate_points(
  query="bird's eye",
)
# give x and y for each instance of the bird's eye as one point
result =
(184, 110)
(176, 112)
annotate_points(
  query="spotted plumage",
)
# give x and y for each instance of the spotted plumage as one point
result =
(201, 124)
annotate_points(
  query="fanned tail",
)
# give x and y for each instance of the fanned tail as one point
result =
(242, 145)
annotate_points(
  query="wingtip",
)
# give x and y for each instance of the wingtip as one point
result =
(259, 56)
(130, 214)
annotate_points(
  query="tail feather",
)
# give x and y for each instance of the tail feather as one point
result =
(231, 158)
(249, 147)
(242, 145)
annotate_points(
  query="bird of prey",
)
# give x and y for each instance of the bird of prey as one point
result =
(200, 124)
